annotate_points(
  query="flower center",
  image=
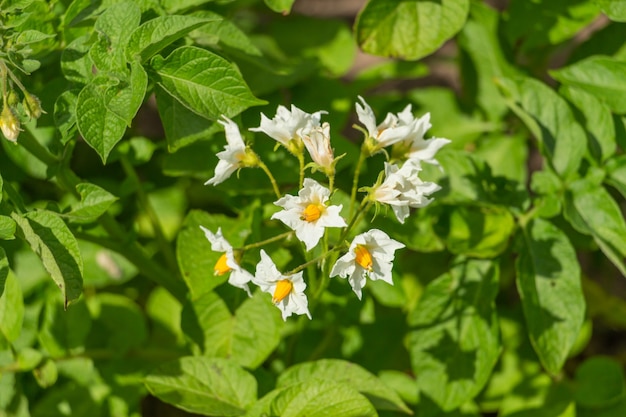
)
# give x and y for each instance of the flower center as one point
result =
(363, 257)
(221, 267)
(311, 213)
(283, 288)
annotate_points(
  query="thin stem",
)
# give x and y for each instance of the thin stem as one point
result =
(267, 241)
(365, 205)
(301, 162)
(313, 261)
(355, 180)
(132, 251)
(271, 177)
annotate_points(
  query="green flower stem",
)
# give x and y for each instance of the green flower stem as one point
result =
(365, 205)
(314, 260)
(266, 241)
(301, 162)
(144, 202)
(355, 180)
(271, 177)
(16, 80)
(28, 142)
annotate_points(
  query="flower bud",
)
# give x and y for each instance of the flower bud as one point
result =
(32, 106)
(12, 98)
(9, 124)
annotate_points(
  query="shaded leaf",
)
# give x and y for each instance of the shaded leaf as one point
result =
(548, 280)
(11, 304)
(64, 332)
(94, 202)
(454, 343)
(55, 244)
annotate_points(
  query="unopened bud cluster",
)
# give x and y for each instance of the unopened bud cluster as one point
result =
(369, 255)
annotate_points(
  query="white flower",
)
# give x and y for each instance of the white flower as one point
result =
(402, 188)
(234, 156)
(390, 131)
(414, 146)
(9, 124)
(289, 125)
(370, 255)
(287, 291)
(239, 277)
(317, 142)
(307, 214)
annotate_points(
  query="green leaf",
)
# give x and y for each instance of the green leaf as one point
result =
(533, 25)
(182, 126)
(107, 105)
(204, 82)
(598, 122)
(154, 35)
(94, 202)
(7, 228)
(76, 62)
(4, 270)
(118, 323)
(614, 9)
(280, 6)
(479, 38)
(65, 114)
(455, 342)
(600, 76)
(11, 304)
(408, 29)
(551, 121)
(55, 244)
(599, 382)
(174, 6)
(223, 33)
(113, 29)
(248, 337)
(345, 373)
(479, 231)
(207, 386)
(548, 280)
(32, 36)
(313, 398)
(64, 332)
(196, 260)
(591, 210)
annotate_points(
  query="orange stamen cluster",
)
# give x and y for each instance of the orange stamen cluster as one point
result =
(283, 288)
(364, 257)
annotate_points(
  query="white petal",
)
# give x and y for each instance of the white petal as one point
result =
(366, 117)
(218, 242)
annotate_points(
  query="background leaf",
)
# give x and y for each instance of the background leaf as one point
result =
(409, 29)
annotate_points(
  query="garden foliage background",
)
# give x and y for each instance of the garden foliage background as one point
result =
(508, 299)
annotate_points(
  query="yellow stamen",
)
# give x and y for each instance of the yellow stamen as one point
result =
(363, 257)
(283, 288)
(221, 267)
(311, 213)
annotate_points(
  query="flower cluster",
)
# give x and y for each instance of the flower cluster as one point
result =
(308, 214)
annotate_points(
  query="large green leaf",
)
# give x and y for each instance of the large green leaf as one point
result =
(454, 343)
(207, 386)
(204, 82)
(113, 28)
(408, 29)
(154, 35)
(591, 210)
(616, 170)
(347, 373)
(550, 119)
(599, 382)
(11, 305)
(314, 398)
(601, 76)
(55, 244)
(107, 105)
(280, 6)
(7, 228)
(548, 280)
(248, 337)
